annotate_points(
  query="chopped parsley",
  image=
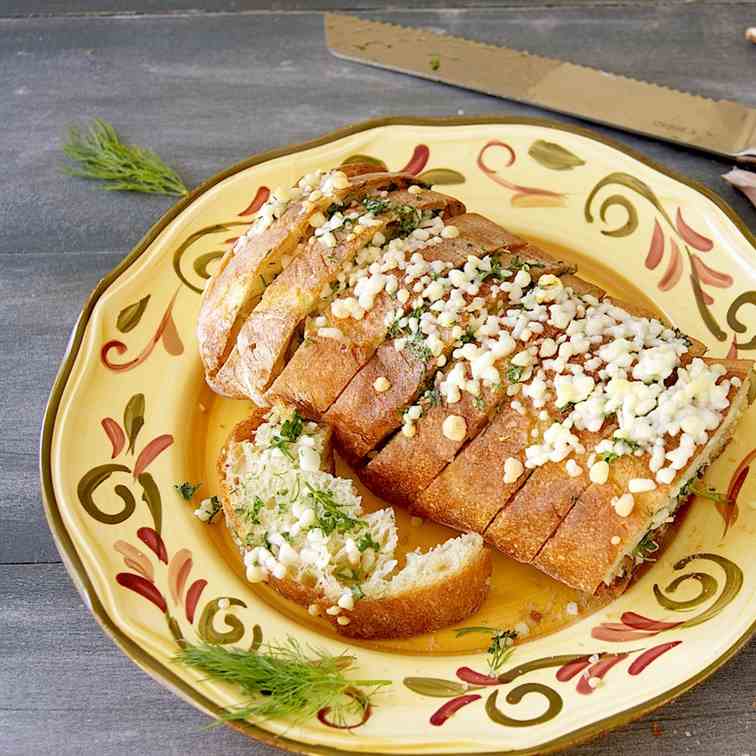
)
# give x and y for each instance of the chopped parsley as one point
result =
(432, 396)
(330, 514)
(187, 490)
(646, 547)
(366, 541)
(514, 373)
(468, 336)
(479, 403)
(419, 349)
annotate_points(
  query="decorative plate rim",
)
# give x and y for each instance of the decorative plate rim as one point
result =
(62, 538)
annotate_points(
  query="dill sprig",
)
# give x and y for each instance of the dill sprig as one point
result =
(500, 649)
(282, 681)
(99, 153)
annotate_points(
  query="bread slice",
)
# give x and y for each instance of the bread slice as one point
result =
(359, 339)
(340, 563)
(363, 416)
(281, 227)
(595, 544)
(406, 465)
(264, 338)
(259, 255)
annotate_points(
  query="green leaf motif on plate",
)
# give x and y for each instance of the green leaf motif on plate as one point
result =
(151, 497)
(439, 176)
(359, 158)
(437, 687)
(133, 419)
(129, 317)
(554, 156)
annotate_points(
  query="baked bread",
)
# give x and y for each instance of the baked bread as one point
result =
(477, 381)
(252, 298)
(303, 531)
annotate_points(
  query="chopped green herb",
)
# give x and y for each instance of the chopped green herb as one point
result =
(479, 403)
(498, 271)
(468, 336)
(292, 427)
(501, 649)
(435, 62)
(335, 207)
(291, 430)
(366, 541)
(252, 514)
(517, 263)
(419, 349)
(187, 490)
(277, 442)
(347, 575)
(609, 456)
(514, 373)
(375, 205)
(357, 592)
(432, 396)
(647, 546)
(330, 514)
(409, 218)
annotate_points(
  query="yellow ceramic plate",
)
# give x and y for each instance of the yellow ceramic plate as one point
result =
(130, 416)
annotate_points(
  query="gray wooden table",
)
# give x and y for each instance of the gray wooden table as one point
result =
(205, 88)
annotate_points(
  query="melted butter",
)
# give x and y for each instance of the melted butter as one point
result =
(519, 593)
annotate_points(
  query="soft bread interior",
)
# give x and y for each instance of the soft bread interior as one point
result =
(694, 470)
(303, 530)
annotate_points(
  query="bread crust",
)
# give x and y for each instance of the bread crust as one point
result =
(471, 489)
(536, 510)
(580, 552)
(265, 336)
(241, 274)
(399, 614)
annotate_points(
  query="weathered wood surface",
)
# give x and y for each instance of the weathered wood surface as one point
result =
(206, 89)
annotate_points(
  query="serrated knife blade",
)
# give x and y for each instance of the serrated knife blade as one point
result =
(721, 127)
